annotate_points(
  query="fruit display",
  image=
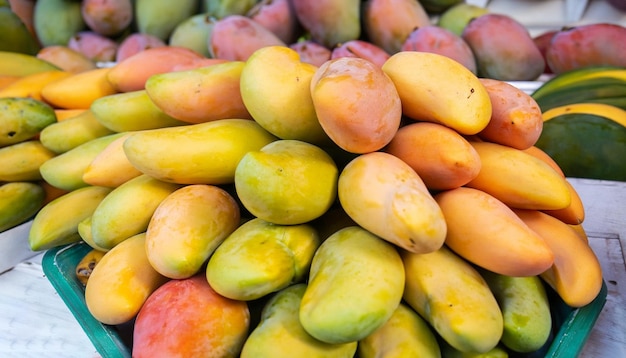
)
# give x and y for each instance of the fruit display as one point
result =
(240, 199)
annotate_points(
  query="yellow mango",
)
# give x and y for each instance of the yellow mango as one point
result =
(127, 210)
(187, 227)
(204, 153)
(384, 195)
(121, 282)
(355, 284)
(21, 161)
(436, 88)
(280, 323)
(275, 88)
(79, 90)
(62, 136)
(454, 298)
(31, 85)
(259, 258)
(111, 167)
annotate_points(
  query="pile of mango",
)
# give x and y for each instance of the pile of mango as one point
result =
(264, 205)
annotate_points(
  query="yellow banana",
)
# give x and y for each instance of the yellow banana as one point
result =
(57, 222)
(19, 201)
(31, 85)
(79, 90)
(85, 266)
(19, 64)
(599, 109)
(21, 161)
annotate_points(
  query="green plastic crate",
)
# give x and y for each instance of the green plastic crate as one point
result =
(571, 327)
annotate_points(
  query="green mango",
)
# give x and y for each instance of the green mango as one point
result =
(56, 21)
(19, 201)
(14, 35)
(160, 17)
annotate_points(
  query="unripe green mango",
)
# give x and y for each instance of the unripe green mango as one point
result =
(525, 309)
(18, 202)
(57, 222)
(23, 118)
(280, 334)
(127, 210)
(355, 284)
(223, 8)
(56, 21)
(14, 35)
(194, 33)
(259, 258)
(131, 111)
(65, 171)
(205, 153)
(405, 334)
(160, 17)
(69, 133)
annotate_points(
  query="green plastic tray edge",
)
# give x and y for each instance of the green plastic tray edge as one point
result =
(58, 265)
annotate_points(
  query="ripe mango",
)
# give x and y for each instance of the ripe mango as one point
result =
(330, 22)
(260, 258)
(62, 136)
(56, 21)
(355, 284)
(107, 18)
(21, 161)
(19, 201)
(22, 119)
(280, 323)
(236, 37)
(205, 153)
(160, 17)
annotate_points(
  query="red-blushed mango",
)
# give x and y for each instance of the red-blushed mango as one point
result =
(136, 42)
(107, 18)
(437, 39)
(186, 318)
(200, 95)
(66, 58)
(363, 49)
(132, 73)
(442, 157)
(486, 232)
(311, 52)
(275, 89)
(384, 195)
(96, 47)
(121, 282)
(540, 188)
(278, 16)
(187, 227)
(436, 88)
(580, 46)
(491, 37)
(236, 37)
(387, 23)
(356, 103)
(516, 119)
(576, 274)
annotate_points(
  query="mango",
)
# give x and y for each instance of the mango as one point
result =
(486, 232)
(287, 182)
(362, 49)
(260, 258)
(96, 47)
(436, 88)
(516, 119)
(311, 52)
(160, 17)
(200, 95)
(280, 323)
(111, 167)
(57, 222)
(278, 16)
(31, 85)
(194, 33)
(236, 37)
(456, 302)
(525, 310)
(15, 35)
(490, 37)
(22, 119)
(385, 196)
(356, 104)
(20, 64)
(441, 157)
(355, 284)
(222, 8)
(204, 153)
(121, 282)
(19, 201)
(58, 28)
(131, 111)
(84, 231)
(66, 59)
(437, 39)
(388, 23)
(330, 22)
(68, 134)
(405, 334)
(117, 218)
(187, 227)
(135, 43)
(107, 18)
(65, 171)
(79, 90)
(456, 17)
(579, 47)
(185, 318)
(21, 161)
(275, 89)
